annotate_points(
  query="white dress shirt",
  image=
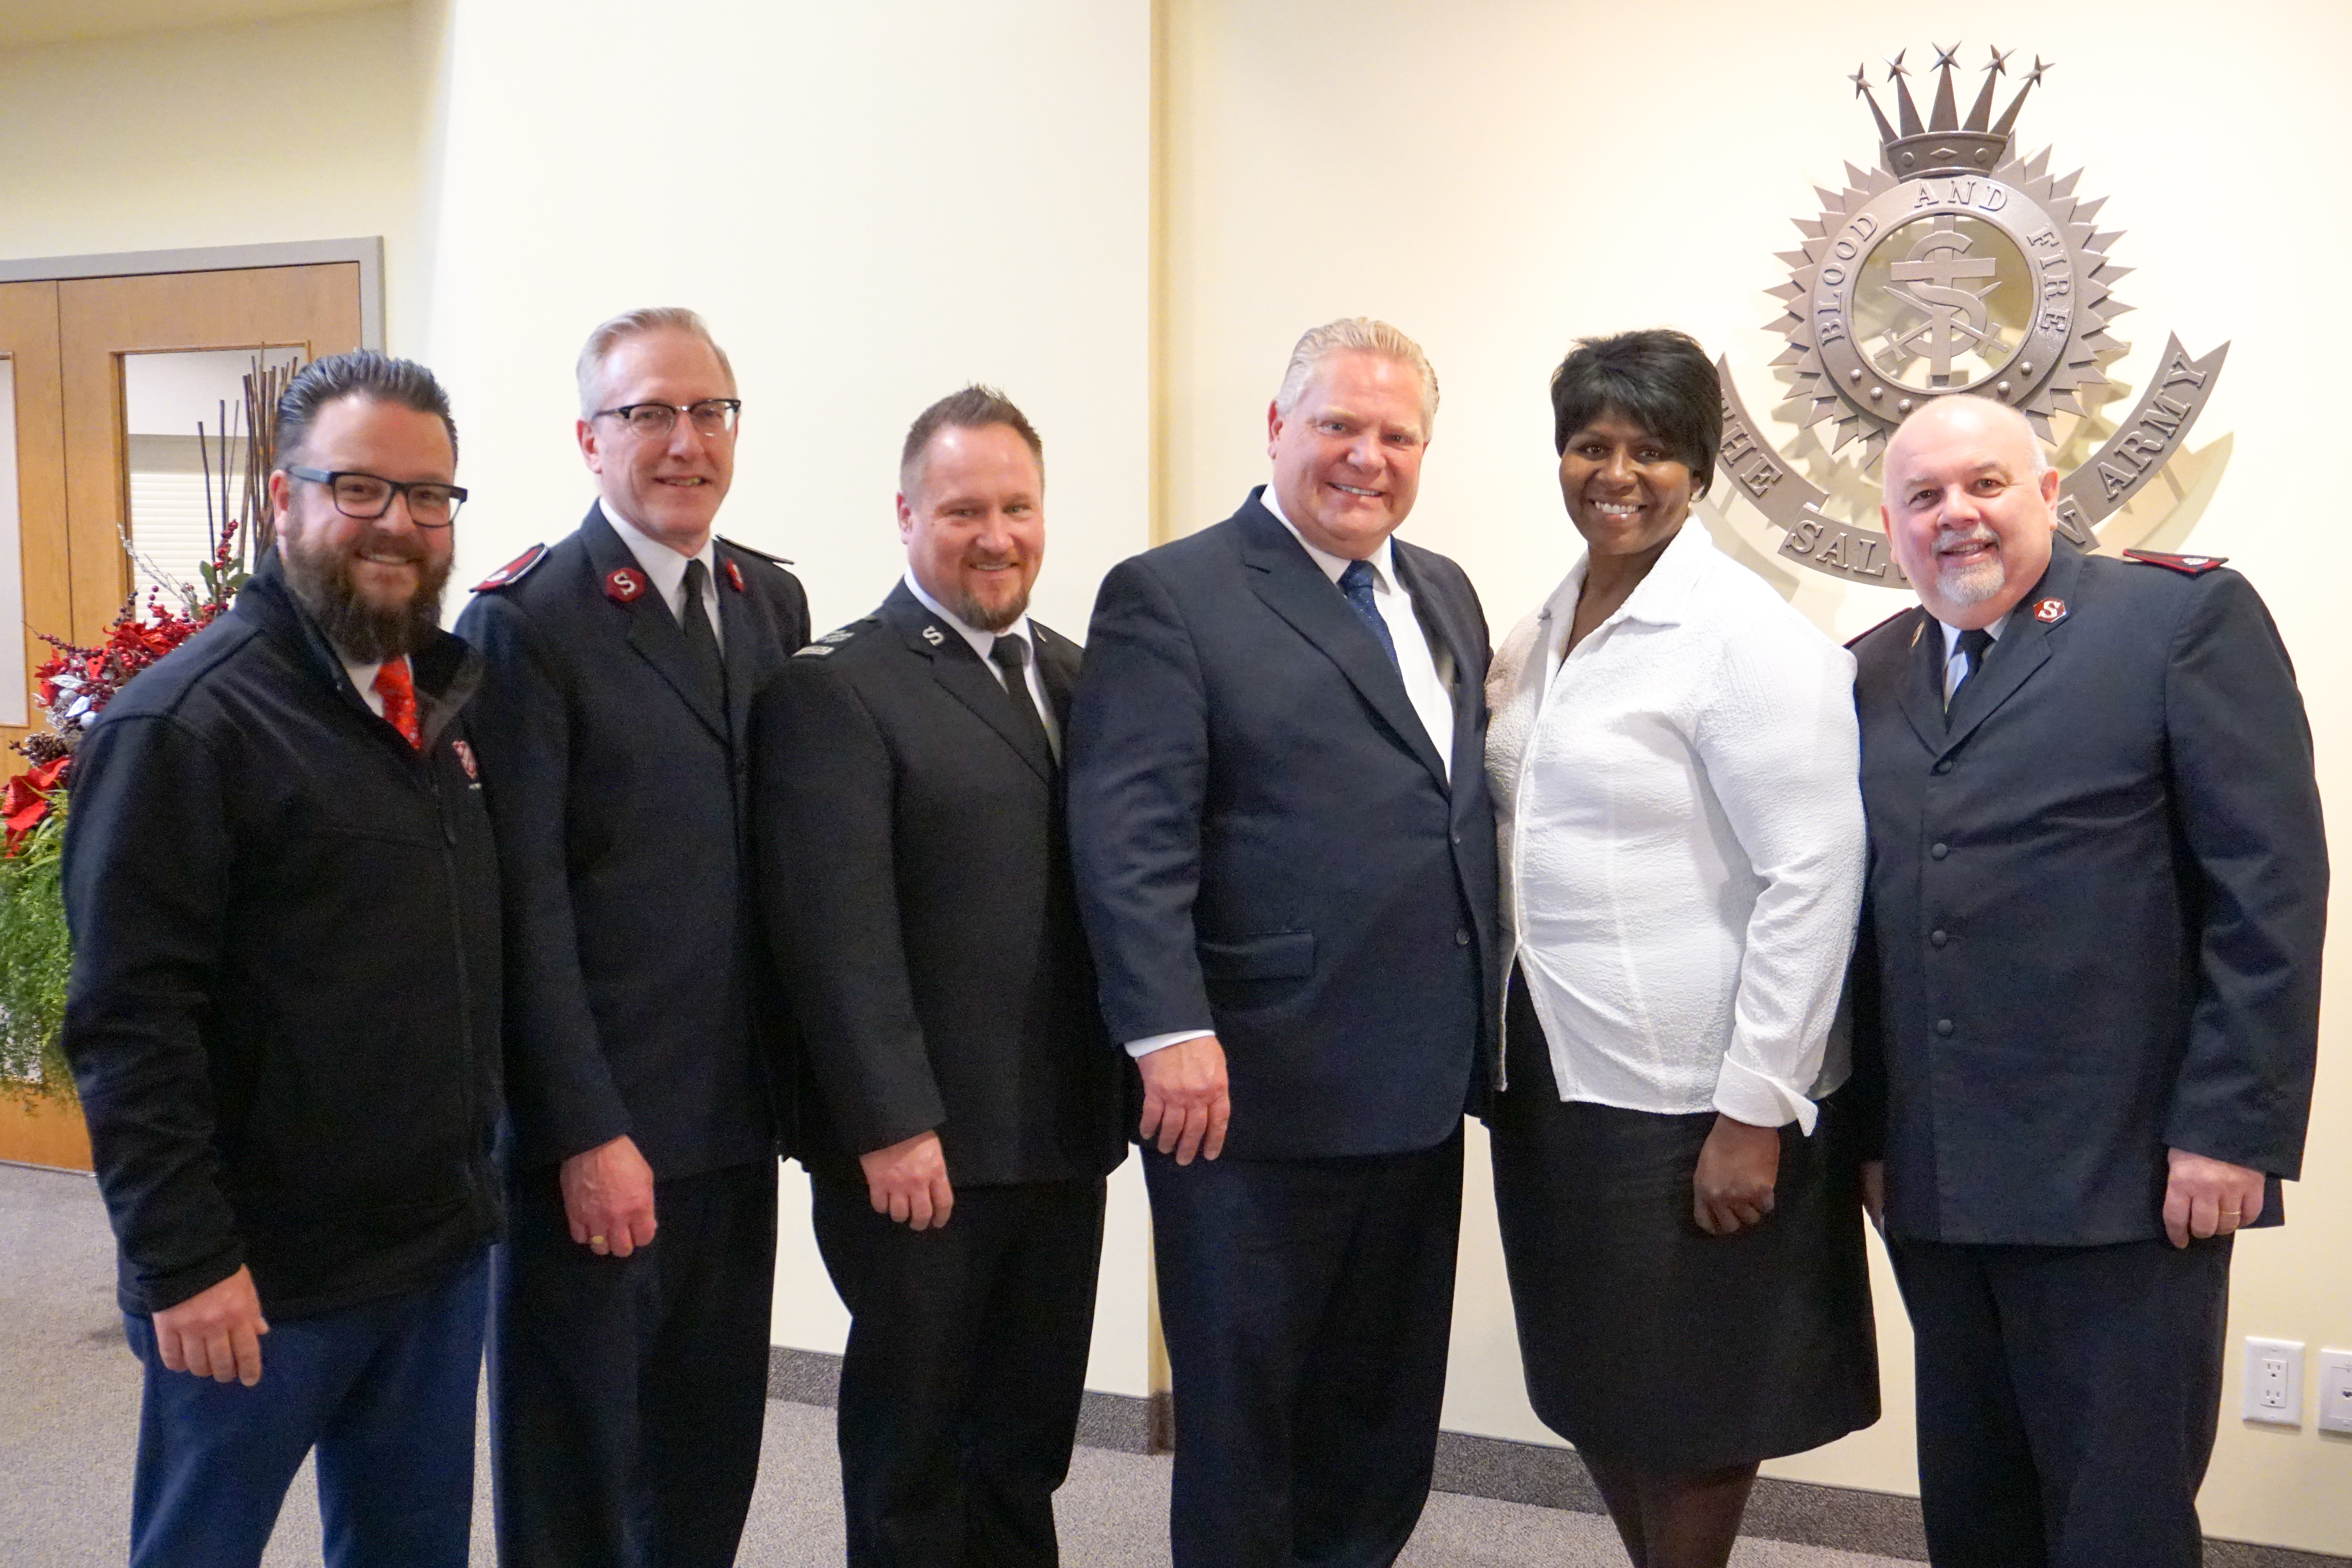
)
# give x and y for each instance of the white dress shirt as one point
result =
(1427, 672)
(665, 570)
(984, 642)
(363, 677)
(1681, 840)
(1956, 669)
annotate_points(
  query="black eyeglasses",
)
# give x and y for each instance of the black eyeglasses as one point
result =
(366, 497)
(711, 417)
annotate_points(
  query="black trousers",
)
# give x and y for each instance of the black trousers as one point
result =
(1306, 1305)
(2067, 1399)
(966, 1364)
(628, 1394)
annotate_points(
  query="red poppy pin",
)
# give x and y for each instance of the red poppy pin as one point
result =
(465, 758)
(2050, 612)
(735, 576)
(624, 585)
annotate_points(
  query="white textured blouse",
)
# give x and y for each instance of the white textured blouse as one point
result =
(1681, 840)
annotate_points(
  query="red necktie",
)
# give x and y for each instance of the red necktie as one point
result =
(398, 689)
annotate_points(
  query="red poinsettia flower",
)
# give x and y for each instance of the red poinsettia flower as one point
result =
(28, 799)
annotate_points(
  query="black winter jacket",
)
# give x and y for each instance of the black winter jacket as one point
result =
(283, 1017)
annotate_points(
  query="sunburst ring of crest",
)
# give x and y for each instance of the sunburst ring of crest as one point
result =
(2061, 342)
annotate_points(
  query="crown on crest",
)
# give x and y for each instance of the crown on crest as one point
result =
(1945, 145)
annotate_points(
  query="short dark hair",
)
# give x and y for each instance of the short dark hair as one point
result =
(380, 378)
(974, 408)
(1658, 378)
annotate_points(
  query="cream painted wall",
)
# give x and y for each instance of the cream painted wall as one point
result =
(302, 129)
(1500, 177)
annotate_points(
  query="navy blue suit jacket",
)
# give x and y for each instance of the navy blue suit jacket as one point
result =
(1266, 843)
(2092, 926)
(640, 999)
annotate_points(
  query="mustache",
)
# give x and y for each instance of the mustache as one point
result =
(1947, 538)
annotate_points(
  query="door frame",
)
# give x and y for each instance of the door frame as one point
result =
(367, 252)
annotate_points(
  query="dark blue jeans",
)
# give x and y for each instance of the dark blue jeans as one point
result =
(384, 1391)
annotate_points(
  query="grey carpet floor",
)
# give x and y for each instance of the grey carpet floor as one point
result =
(69, 1413)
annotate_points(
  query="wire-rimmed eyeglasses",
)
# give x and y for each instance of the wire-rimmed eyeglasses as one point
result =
(711, 417)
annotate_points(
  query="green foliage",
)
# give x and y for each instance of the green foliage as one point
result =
(34, 958)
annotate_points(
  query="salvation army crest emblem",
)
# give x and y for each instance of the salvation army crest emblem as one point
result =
(1954, 266)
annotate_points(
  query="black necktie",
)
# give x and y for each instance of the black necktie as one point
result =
(1356, 582)
(1010, 653)
(1973, 645)
(701, 642)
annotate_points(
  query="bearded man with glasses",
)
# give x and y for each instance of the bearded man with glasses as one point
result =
(629, 1374)
(284, 1011)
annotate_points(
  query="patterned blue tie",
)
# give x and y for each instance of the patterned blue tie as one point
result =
(1356, 582)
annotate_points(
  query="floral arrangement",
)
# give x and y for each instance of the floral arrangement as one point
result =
(72, 687)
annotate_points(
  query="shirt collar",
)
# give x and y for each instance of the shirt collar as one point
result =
(666, 566)
(1382, 559)
(982, 643)
(1952, 634)
(1662, 599)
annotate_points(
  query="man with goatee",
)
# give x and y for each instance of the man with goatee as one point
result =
(917, 880)
(284, 1012)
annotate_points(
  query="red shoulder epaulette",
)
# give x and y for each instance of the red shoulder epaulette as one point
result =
(1889, 621)
(514, 571)
(750, 549)
(2186, 565)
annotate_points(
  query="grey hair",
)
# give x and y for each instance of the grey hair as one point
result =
(1357, 334)
(380, 378)
(610, 335)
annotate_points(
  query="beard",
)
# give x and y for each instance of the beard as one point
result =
(320, 576)
(989, 617)
(1975, 583)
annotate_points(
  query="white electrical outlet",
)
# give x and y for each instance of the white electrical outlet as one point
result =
(2274, 1381)
(2336, 1391)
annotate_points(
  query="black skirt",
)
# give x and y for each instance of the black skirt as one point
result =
(1647, 1340)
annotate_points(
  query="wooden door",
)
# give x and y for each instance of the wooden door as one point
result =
(104, 320)
(67, 345)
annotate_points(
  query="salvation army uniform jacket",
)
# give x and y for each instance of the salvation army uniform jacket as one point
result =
(2095, 898)
(915, 875)
(639, 999)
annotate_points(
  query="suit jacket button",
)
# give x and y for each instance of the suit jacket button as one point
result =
(1939, 938)
(1940, 851)
(1943, 1027)
(1462, 936)
(1944, 766)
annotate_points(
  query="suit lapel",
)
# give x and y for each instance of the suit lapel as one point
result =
(2024, 645)
(1444, 622)
(1057, 668)
(955, 666)
(1294, 587)
(741, 632)
(1923, 681)
(653, 630)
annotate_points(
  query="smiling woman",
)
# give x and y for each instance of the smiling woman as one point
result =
(1672, 761)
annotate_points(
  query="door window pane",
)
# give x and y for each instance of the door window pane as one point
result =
(14, 703)
(183, 486)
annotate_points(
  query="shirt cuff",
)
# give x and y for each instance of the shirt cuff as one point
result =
(1151, 1043)
(1748, 1096)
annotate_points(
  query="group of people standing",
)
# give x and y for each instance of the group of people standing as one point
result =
(2002, 927)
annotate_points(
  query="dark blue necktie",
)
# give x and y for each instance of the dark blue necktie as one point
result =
(1356, 582)
(1973, 646)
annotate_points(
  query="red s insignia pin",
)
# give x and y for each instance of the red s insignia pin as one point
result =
(624, 585)
(465, 758)
(735, 576)
(2050, 611)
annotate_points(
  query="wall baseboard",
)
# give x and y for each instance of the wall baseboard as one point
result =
(1844, 1518)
